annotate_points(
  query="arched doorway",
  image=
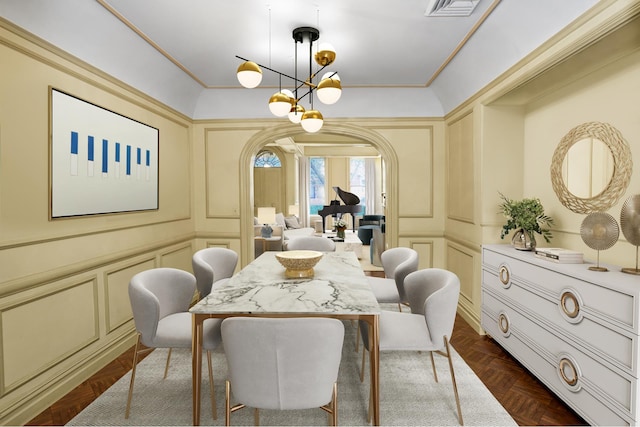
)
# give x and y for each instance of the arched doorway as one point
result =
(259, 140)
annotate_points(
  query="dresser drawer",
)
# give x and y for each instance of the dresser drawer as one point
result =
(613, 306)
(565, 313)
(601, 395)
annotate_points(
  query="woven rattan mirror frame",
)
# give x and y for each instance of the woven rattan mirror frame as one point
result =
(622, 166)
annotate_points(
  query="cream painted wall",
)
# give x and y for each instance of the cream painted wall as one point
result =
(609, 95)
(512, 127)
(64, 306)
(410, 149)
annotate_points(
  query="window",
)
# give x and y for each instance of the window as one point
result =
(316, 184)
(267, 159)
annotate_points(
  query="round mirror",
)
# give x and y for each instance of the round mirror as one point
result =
(591, 167)
(587, 168)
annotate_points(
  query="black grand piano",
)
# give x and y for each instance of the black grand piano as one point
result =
(336, 209)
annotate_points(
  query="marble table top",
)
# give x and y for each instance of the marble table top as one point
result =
(339, 287)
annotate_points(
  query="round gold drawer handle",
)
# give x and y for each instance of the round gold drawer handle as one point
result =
(570, 304)
(567, 365)
(503, 323)
(504, 275)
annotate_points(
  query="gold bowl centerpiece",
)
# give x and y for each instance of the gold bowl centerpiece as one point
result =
(298, 263)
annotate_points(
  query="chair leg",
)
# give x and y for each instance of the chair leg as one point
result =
(133, 378)
(370, 409)
(357, 341)
(214, 408)
(256, 416)
(227, 404)
(364, 352)
(453, 380)
(335, 404)
(166, 368)
(433, 365)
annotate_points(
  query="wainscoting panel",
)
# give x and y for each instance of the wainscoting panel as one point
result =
(465, 262)
(178, 257)
(460, 167)
(425, 251)
(41, 330)
(118, 310)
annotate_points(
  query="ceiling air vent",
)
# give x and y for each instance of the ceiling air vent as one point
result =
(451, 7)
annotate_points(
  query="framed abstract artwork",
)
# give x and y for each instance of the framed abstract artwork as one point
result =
(100, 162)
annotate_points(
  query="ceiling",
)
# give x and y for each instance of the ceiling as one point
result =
(393, 60)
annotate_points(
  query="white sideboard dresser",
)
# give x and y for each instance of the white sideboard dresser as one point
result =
(573, 328)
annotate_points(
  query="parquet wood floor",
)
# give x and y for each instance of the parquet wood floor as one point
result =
(523, 396)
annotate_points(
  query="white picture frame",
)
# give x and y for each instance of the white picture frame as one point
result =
(101, 162)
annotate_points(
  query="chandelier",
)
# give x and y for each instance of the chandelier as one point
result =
(286, 102)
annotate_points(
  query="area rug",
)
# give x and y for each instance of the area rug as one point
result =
(408, 394)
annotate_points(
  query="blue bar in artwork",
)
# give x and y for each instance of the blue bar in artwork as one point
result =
(117, 152)
(74, 142)
(139, 155)
(148, 158)
(105, 156)
(128, 160)
(90, 155)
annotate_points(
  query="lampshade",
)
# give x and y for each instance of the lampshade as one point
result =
(295, 114)
(249, 74)
(329, 90)
(267, 215)
(312, 121)
(294, 210)
(280, 104)
(326, 54)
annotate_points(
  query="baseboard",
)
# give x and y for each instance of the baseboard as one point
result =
(471, 318)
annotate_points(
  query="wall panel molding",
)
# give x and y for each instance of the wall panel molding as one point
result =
(28, 282)
(116, 288)
(29, 315)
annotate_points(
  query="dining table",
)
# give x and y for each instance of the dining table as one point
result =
(338, 289)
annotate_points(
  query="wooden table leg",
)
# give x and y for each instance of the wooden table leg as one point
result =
(374, 354)
(196, 355)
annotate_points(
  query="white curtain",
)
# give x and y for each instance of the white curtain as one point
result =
(370, 186)
(303, 190)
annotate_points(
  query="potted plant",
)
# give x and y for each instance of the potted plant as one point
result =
(527, 217)
(341, 226)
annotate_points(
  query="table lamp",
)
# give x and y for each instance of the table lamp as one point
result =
(294, 210)
(266, 216)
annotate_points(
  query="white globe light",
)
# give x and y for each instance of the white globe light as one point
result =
(295, 114)
(329, 91)
(249, 74)
(280, 104)
(325, 55)
(330, 75)
(312, 121)
(326, 47)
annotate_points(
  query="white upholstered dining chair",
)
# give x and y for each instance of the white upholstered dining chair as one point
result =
(311, 243)
(160, 300)
(433, 295)
(212, 267)
(282, 363)
(397, 263)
